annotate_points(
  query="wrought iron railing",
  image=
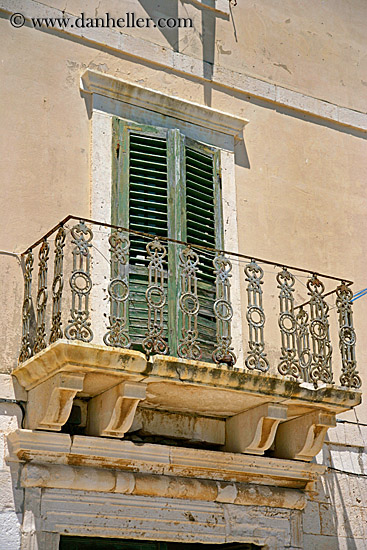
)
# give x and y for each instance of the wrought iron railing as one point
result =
(167, 297)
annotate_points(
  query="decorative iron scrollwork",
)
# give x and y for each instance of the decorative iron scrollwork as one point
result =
(347, 337)
(42, 294)
(189, 347)
(118, 290)
(256, 358)
(320, 368)
(156, 298)
(289, 365)
(26, 349)
(57, 286)
(303, 343)
(223, 352)
(80, 284)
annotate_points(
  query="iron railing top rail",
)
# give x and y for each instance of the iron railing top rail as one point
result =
(196, 246)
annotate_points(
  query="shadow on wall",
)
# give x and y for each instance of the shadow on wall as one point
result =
(332, 496)
(169, 8)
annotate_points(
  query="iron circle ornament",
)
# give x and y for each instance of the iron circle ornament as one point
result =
(118, 290)
(74, 280)
(57, 285)
(154, 292)
(347, 336)
(318, 329)
(283, 318)
(223, 310)
(189, 303)
(42, 297)
(255, 310)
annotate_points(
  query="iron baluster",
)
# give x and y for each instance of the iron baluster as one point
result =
(80, 284)
(223, 352)
(189, 347)
(57, 286)
(320, 368)
(256, 358)
(347, 338)
(118, 290)
(289, 365)
(26, 348)
(303, 343)
(156, 298)
(42, 294)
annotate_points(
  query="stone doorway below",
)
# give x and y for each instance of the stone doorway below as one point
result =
(91, 543)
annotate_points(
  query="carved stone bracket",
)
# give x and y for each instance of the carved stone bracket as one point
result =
(112, 412)
(49, 403)
(303, 437)
(253, 431)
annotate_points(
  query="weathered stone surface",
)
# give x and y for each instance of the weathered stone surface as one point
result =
(112, 412)
(161, 459)
(253, 431)
(302, 438)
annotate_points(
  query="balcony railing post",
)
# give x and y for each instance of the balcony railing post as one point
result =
(155, 295)
(223, 352)
(26, 349)
(42, 294)
(289, 364)
(118, 291)
(320, 368)
(303, 343)
(256, 357)
(57, 286)
(189, 347)
(347, 337)
(80, 284)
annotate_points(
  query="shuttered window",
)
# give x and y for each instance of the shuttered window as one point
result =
(167, 185)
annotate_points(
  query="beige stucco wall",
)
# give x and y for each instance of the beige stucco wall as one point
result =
(300, 178)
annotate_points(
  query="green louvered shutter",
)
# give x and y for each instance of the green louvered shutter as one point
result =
(167, 185)
(140, 202)
(204, 227)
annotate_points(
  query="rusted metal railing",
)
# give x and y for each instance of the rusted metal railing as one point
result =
(158, 310)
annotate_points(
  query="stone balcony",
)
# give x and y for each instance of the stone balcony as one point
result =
(167, 383)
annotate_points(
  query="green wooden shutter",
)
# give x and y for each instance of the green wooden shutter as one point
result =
(204, 227)
(167, 185)
(140, 202)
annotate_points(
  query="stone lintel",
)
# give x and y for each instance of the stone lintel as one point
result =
(25, 445)
(253, 431)
(114, 481)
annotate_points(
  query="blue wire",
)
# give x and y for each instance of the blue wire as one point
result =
(359, 296)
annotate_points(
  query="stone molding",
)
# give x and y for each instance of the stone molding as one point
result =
(116, 515)
(160, 486)
(95, 82)
(42, 447)
(180, 63)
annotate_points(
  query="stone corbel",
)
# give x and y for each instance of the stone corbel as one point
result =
(49, 404)
(112, 413)
(253, 431)
(303, 437)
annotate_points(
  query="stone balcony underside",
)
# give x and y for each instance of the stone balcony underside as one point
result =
(240, 412)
